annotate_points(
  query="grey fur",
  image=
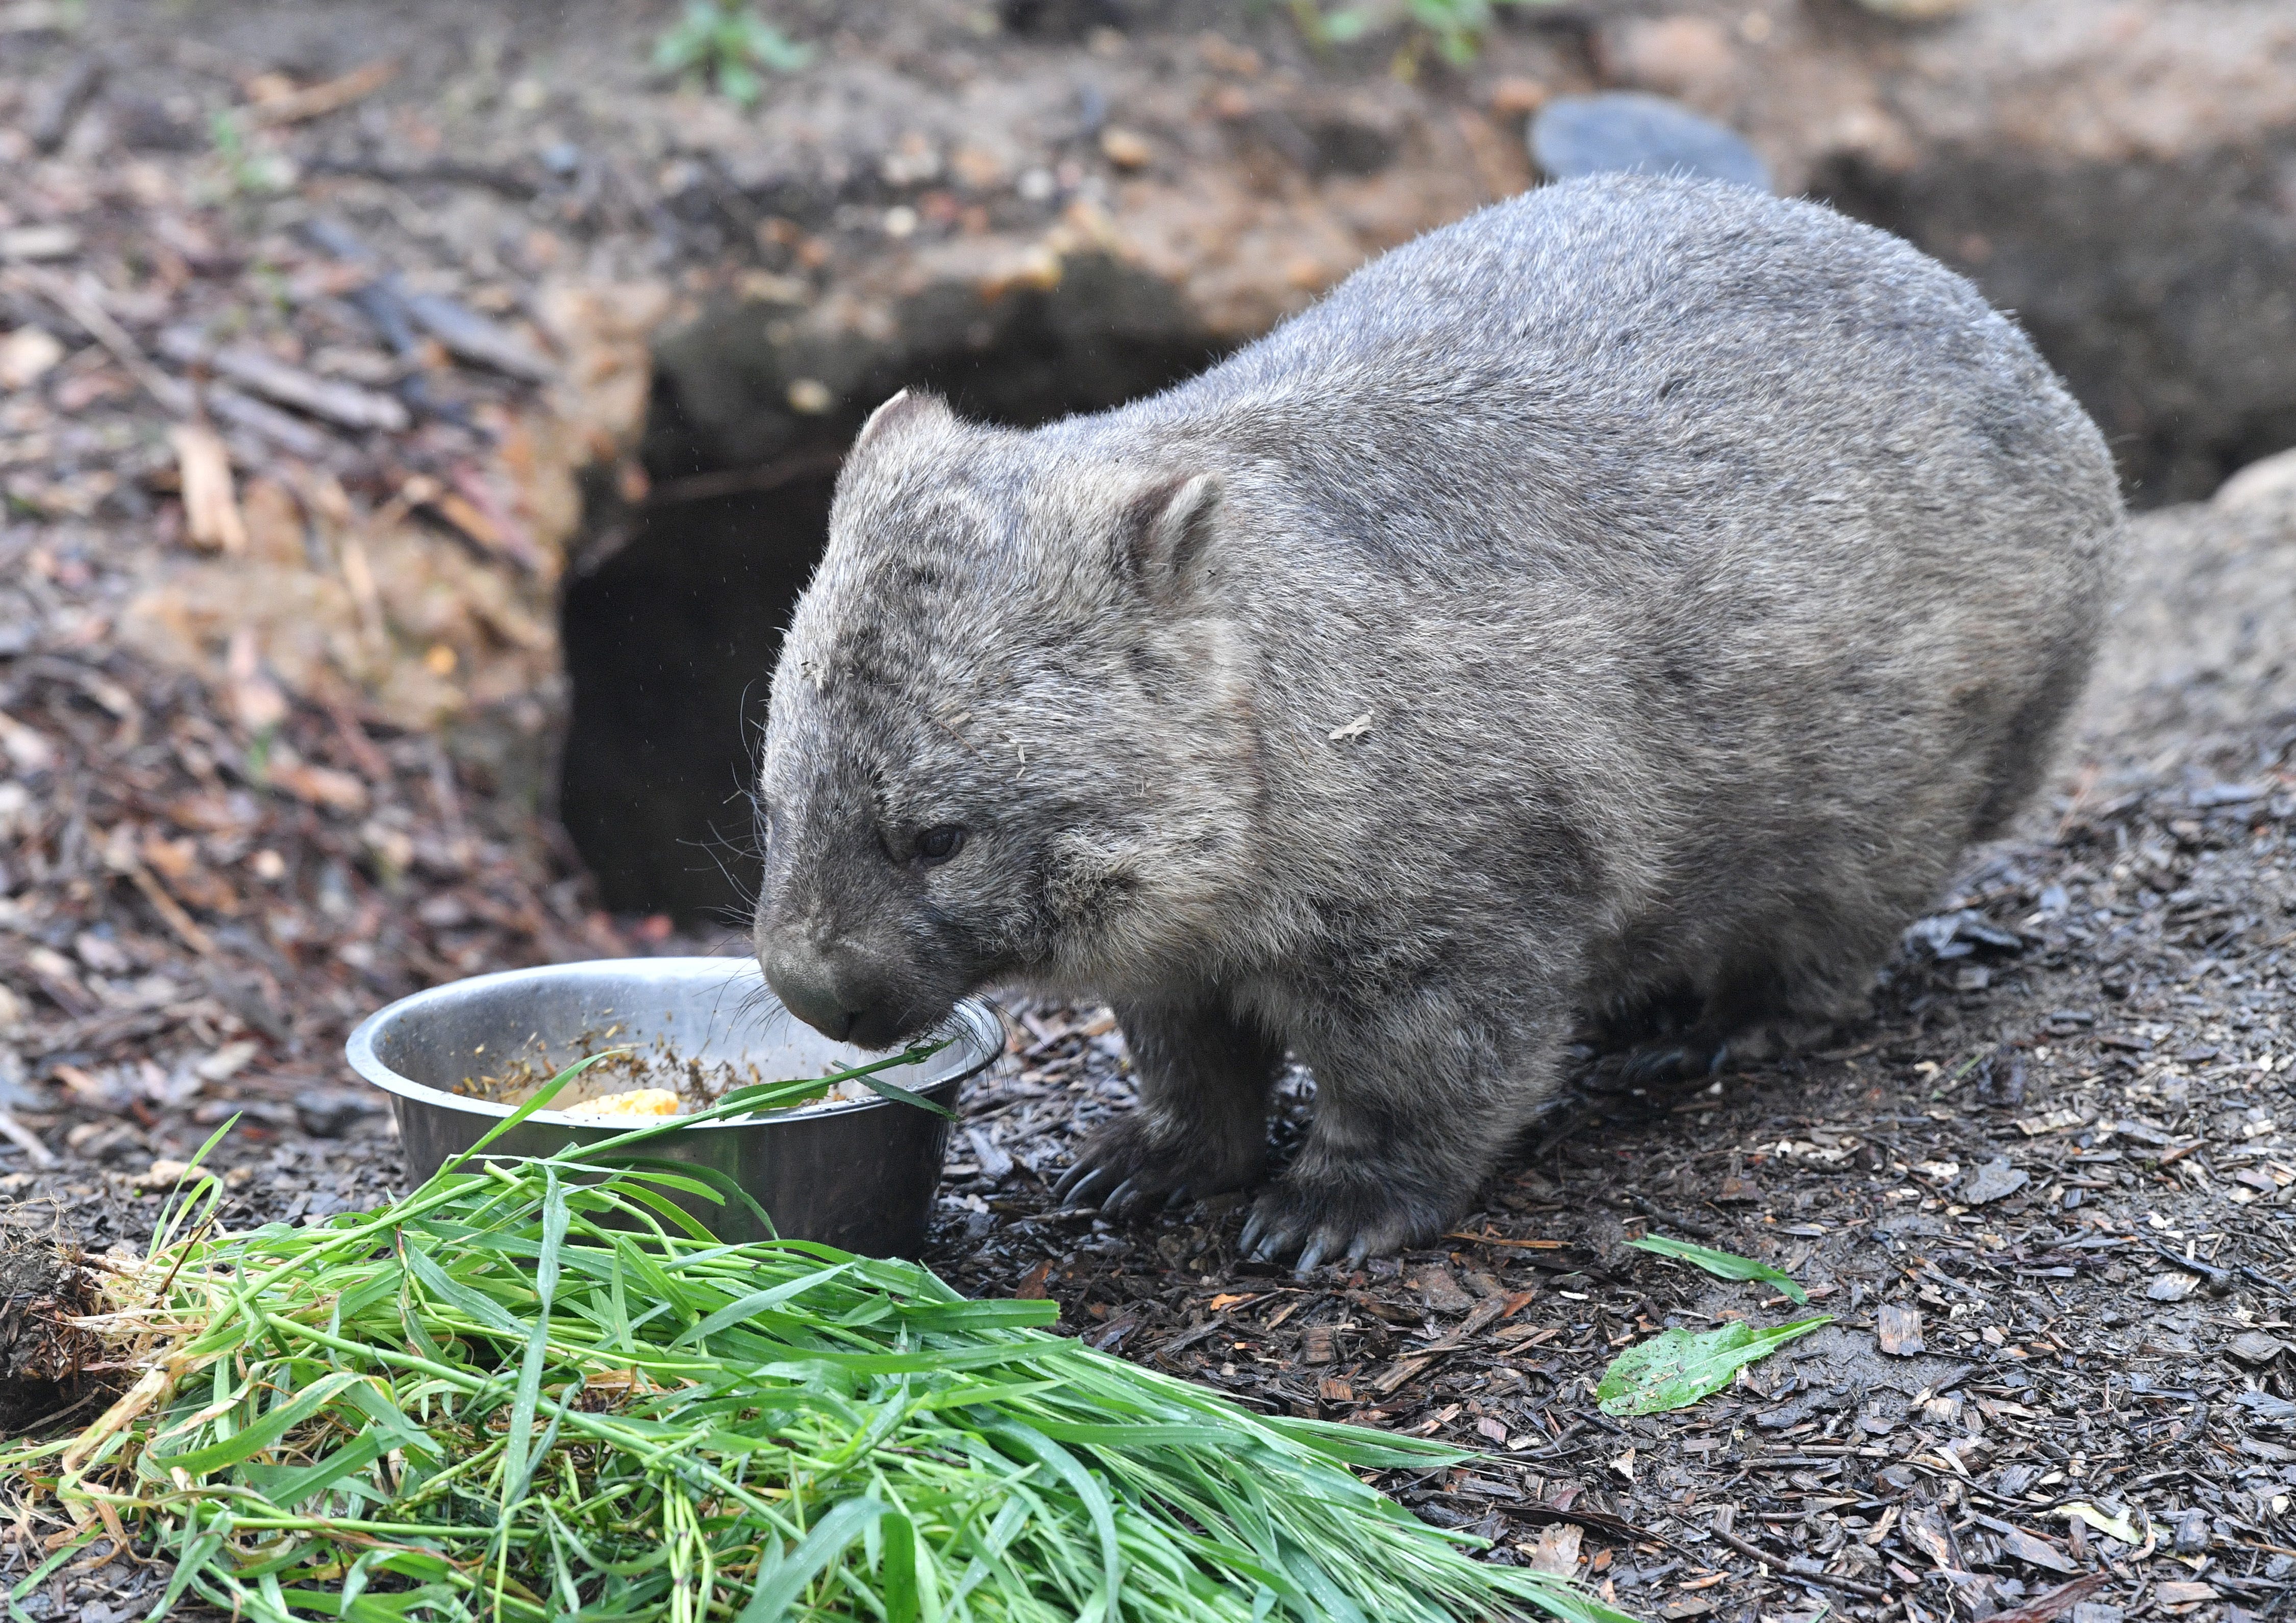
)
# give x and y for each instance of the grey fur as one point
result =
(1640, 588)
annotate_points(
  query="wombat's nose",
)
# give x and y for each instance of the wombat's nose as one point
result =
(836, 1001)
(808, 990)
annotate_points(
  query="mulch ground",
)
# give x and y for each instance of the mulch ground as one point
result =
(2043, 1196)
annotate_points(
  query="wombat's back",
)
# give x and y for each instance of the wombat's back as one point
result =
(1798, 547)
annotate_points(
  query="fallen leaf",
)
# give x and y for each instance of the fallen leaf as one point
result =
(1722, 1264)
(1557, 1551)
(1675, 1368)
(1898, 1330)
(2111, 1526)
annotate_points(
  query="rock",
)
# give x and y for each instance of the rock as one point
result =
(2191, 1532)
(1996, 1180)
(330, 1113)
(2262, 487)
(1625, 132)
(1898, 1330)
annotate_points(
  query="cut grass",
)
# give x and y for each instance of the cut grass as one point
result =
(539, 1389)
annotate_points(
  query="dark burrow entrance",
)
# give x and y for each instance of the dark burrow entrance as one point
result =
(674, 612)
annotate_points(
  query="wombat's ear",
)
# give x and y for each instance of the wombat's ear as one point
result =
(1165, 528)
(910, 407)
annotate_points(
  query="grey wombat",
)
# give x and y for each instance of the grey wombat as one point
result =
(1639, 590)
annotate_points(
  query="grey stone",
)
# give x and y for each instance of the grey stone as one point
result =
(1624, 132)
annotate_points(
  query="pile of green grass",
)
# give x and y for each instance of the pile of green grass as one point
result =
(539, 1389)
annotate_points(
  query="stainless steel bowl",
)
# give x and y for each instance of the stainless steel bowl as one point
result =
(859, 1176)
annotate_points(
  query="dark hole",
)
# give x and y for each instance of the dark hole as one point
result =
(671, 641)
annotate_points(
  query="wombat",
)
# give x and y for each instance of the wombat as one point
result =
(1641, 590)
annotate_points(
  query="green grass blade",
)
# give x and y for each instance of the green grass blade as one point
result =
(781, 1579)
(1722, 1264)
(1675, 1368)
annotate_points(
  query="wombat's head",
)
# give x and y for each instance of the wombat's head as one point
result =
(1009, 737)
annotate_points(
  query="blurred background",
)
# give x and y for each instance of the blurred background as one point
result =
(419, 416)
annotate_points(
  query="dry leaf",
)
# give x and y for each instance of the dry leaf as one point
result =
(1558, 1550)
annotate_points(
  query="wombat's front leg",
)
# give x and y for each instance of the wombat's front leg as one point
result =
(1406, 1124)
(1201, 1125)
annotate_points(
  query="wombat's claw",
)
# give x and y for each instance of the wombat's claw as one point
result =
(1245, 1242)
(1308, 1259)
(1655, 1065)
(1179, 1198)
(1077, 1184)
(1122, 1199)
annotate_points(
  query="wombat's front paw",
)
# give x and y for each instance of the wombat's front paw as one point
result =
(1136, 1164)
(1349, 1212)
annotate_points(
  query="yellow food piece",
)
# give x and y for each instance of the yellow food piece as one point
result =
(638, 1101)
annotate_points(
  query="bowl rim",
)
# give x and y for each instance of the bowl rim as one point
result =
(978, 1025)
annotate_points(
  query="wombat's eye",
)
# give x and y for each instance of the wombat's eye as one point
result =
(936, 845)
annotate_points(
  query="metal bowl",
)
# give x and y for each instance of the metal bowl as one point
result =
(857, 1175)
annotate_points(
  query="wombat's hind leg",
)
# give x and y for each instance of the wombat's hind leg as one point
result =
(1202, 1126)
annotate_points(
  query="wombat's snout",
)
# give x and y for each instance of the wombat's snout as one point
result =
(840, 996)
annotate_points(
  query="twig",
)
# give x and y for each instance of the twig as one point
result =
(16, 1133)
(1824, 1580)
(329, 95)
(85, 309)
(1689, 1226)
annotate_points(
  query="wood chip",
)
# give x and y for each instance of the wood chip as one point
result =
(2037, 1552)
(2255, 1347)
(211, 515)
(1898, 1330)
(2171, 1287)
